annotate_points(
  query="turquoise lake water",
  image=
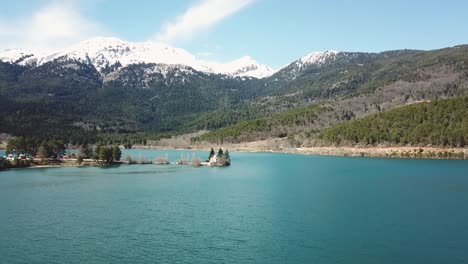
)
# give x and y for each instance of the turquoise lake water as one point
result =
(266, 208)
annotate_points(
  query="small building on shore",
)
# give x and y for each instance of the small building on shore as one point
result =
(222, 159)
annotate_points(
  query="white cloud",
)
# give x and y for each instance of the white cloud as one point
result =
(54, 26)
(203, 15)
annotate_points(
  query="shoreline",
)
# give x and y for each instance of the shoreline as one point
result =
(266, 146)
(400, 152)
(404, 152)
(332, 151)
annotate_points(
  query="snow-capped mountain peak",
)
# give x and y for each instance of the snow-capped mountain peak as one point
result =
(318, 57)
(103, 52)
(108, 51)
(315, 59)
(16, 55)
(244, 66)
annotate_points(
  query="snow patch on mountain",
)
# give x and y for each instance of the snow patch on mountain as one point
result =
(108, 51)
(315, 59)
(244, 66)
(104, 52)
(142, 77)
(18, 56)
(318, 58)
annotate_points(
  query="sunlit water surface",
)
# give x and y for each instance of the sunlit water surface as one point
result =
(265, 208)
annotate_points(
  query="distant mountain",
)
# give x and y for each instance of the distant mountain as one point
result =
(303, 100)
(108, 52)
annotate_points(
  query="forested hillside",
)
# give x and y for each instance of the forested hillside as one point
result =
(70, 100)
(393, 79)
(438, 123)
(278, 125)
(413, 78)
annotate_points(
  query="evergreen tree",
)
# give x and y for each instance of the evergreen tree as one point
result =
(116, 153)
(85, 151)
(42, 152)
(98, 149)
(212, 153)
(4, 164)
(105, 154)
(220, 152)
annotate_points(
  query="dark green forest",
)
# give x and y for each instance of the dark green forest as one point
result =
(438, 123)
(276, 126)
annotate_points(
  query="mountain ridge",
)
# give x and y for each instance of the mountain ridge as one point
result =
(103, 52)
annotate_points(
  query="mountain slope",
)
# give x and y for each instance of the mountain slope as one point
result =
(71, 95)
(438, 123)
(47, 100)
(17, 56)
(275, 126)
(349, 89)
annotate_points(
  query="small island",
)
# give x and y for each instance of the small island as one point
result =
(221, 159)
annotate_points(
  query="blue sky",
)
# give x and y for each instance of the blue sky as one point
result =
(273, 32)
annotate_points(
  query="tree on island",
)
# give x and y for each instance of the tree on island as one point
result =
(116, 153)
(110, 154)
(222, 159)
(226, 155)
(212, 153)
(105, 154)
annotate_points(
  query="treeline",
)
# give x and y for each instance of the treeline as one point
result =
(105, 154)
(16, 163)
(43, 149)
(56, 144)
(4, 164)
(32, 146)
(438, 123)
(128, 140)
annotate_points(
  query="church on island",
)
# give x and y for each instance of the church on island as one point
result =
(220, 159)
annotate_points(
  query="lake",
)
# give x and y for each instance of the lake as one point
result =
(265, 208)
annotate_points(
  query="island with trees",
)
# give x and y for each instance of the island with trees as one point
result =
(220, 159)
(24, 152)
